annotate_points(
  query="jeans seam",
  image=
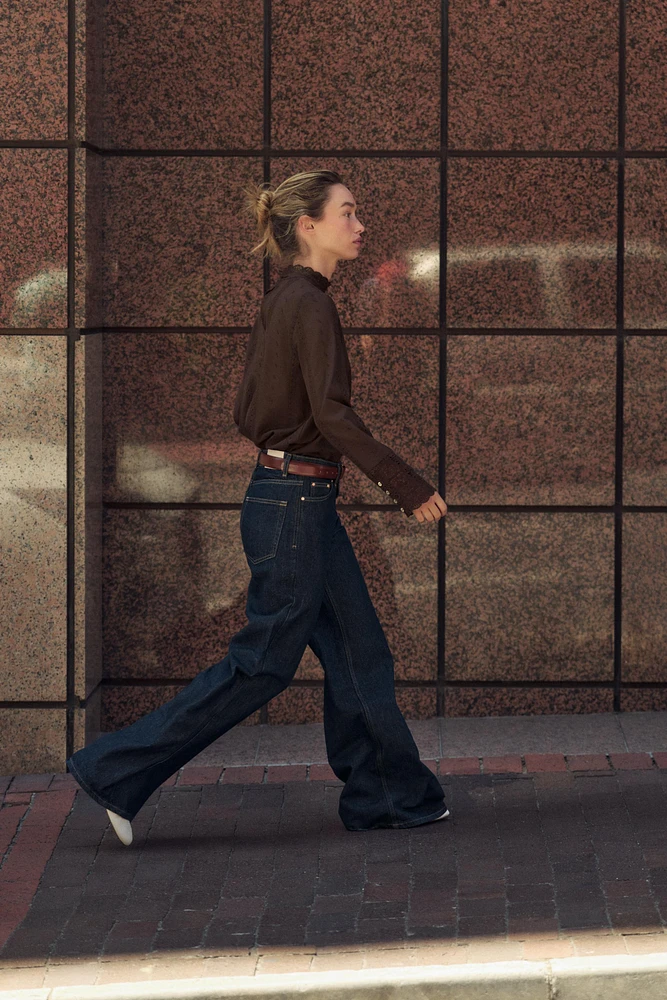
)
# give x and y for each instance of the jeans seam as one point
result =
(378, 746)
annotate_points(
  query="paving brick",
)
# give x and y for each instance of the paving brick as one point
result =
(508, 764)
(459, 765)
(587, 762)
(199, 775)
(243, 775)
(321, 772)
(62, 781)
(286, 772)
(545, 762)
(631, 761)
(170, 781)
(31, 782)
(661, 759)
(17, 798)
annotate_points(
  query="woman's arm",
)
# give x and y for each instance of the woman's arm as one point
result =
(324, 365)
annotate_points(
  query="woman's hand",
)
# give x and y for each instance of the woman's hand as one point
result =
(432, 509)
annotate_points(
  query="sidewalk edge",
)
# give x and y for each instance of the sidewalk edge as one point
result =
(569, 978)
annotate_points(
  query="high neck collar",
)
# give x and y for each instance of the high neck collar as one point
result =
(315, 277)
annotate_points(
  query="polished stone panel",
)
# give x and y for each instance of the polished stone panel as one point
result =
(531, 242)
(32, 740)
(88, 582)
(642, 700)
(646, 75)
(645, 243)
(529, 596)
(645, 420)
(33, 517)
(533, 76)
(33, 79)
(393, 281)
(644, 597)
(395, 384)
(180, 75)
(175, 249)
(169, 433)
(355, 76)
(33, 241)
(481, 701)
(530, 419)
(175, 588)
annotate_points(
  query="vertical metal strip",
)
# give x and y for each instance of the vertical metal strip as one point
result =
(620, 363)
(442, 355)
(72, 337)
(266, 154)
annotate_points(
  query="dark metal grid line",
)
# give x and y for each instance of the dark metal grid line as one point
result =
(620, 365)
(72, 337)
(514, 508)
(276, 153)
(441, 666)
(266, 165)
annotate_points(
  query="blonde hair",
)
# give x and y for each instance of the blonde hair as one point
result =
(277, 212)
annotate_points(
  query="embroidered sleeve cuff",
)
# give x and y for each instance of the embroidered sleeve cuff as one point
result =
(400, 482)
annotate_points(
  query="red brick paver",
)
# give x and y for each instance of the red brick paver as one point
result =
(459, 765)
(545, 762)
(508, 764)
(239, 870)
(199, 775)
(241, 775)
(588, 762)
(631, 761)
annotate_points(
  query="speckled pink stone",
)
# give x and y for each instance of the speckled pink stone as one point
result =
(533, 76)
(646, 75)
(180, 75)
(645, 420)
(645, 244)
(531, 242)
(33, 238)
(33, 77)
(529, 596)
(644, 597)
(175, 250)
(355, 76)
(530, 419)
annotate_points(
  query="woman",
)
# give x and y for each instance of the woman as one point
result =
(306, 585)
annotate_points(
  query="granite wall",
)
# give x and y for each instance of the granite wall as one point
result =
(521, 144)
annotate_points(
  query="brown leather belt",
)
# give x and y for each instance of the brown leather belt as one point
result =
(300, 466)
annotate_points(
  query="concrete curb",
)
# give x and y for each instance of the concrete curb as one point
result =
(610, 977)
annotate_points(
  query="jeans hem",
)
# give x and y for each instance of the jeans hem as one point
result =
(95, 796)
(398, 826)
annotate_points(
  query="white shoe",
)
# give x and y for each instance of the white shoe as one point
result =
(123, 827)
(444, 816)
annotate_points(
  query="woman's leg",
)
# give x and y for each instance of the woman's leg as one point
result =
(369, 744)
(281, 530)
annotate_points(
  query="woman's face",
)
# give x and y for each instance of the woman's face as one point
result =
(339, 230)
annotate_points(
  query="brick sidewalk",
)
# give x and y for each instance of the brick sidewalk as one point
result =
(248, 870)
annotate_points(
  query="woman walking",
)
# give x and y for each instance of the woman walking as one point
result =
(306, 585)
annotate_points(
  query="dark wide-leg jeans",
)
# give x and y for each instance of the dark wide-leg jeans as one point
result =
(306, 589)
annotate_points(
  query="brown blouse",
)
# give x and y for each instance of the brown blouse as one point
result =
(295, 392)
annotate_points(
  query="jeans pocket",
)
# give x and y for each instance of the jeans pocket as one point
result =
(261, 524)
(318, 489)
